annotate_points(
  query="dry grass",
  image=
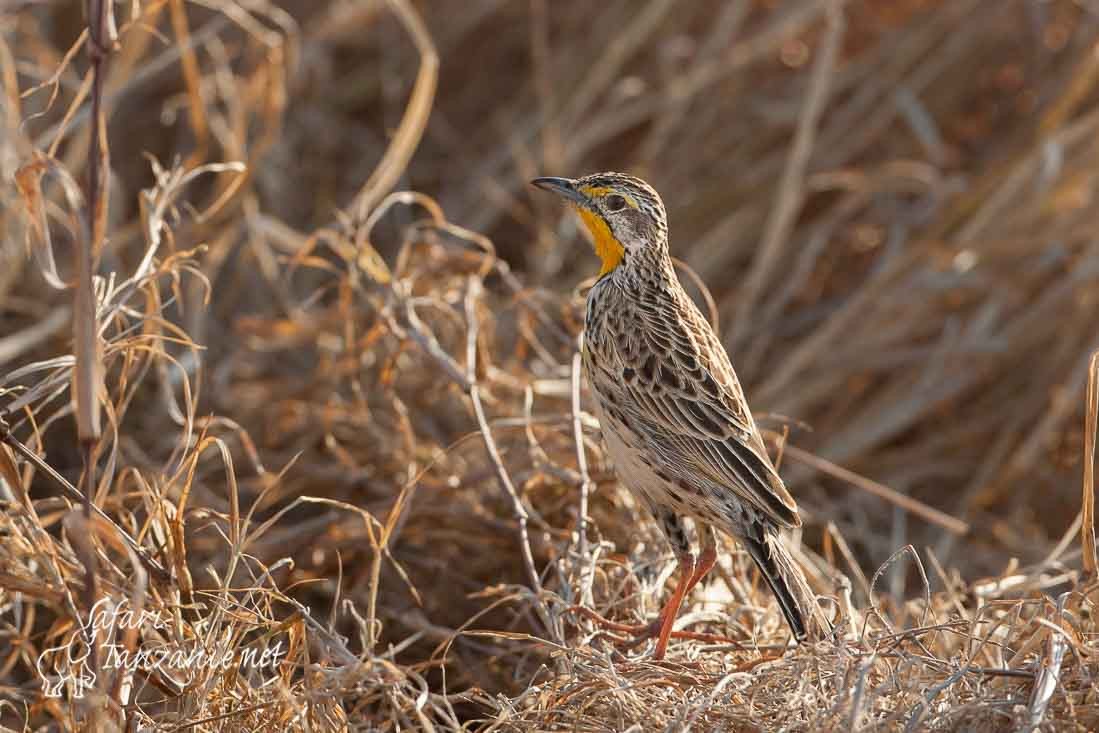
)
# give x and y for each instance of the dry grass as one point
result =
(329, 415)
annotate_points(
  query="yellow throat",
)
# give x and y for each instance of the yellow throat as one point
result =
(610, 250)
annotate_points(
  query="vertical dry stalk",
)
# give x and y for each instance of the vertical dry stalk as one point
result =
(88, 372)
(88, 375)
(1049, 672)
(581, 457)
(1087, 525)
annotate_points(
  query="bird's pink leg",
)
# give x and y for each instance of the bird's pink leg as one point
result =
(703, 565)
(691, 572)
(687, 569)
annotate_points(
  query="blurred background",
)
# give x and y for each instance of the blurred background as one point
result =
(892, 205)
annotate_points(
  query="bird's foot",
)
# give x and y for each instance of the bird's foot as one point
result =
(638, 634)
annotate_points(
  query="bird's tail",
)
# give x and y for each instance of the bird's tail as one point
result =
(795, 598)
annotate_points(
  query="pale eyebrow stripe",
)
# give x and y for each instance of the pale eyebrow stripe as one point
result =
(605, 190)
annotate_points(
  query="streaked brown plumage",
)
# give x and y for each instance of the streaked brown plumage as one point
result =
(672, 410)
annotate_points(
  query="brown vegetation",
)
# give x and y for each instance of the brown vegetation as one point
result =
(332, 416)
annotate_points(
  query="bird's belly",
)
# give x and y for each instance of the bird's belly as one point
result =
(638, 470)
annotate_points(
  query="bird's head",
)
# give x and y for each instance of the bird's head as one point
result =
(623, 214)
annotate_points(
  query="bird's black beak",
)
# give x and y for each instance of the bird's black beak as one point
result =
(563, 187)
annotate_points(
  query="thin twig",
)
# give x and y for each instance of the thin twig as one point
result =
(152, 566)
(409, 132)
(913, 506)
(521, 516)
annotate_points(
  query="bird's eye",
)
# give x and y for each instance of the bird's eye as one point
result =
(614, 202)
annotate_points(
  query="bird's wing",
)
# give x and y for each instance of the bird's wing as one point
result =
(680, 391)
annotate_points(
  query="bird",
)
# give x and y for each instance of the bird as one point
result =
(674, 417)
